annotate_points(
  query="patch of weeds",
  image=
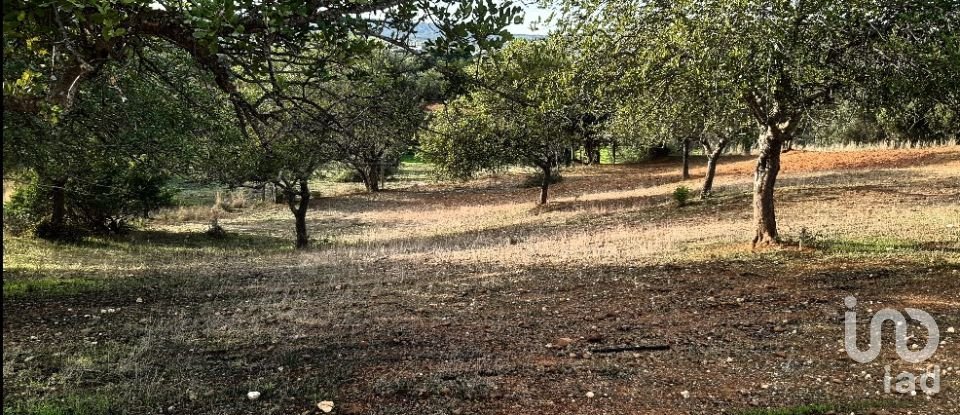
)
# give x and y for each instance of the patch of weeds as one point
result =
(50, 287)
(215, 231)
(817, 408)
(681, 195)
(875, 245)
(74, 404)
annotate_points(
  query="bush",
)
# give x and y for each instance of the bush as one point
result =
(66, 232)
(347, 174)
(104, 200)
(681, 195)
(26, 209)
(215, 231)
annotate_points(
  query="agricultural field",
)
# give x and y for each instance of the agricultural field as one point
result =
(437, 297)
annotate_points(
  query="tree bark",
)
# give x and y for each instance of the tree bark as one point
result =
(591, 151)
(373, 177)
(686, 158)
(765, 178)
(58, 200)
(713, 156)
(787, 146)
(545, 183)
(278, 197)
(298, 200)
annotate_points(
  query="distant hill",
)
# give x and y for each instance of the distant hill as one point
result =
(425, 32)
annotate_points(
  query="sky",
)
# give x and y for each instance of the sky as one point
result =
(532, 13)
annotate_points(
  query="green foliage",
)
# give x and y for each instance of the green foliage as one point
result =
(379, 111)
(522, 121)
(778, 62)
(106, 200)
(346, 174)
(26, 208)
(536, 179)
(103, 200)
(681, 195)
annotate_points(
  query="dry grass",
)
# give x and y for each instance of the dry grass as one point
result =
(441, 298)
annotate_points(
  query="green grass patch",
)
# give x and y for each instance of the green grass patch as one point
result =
(820, 408)
(49, 287)
(412, 158)
(869, 245)
(74, 404)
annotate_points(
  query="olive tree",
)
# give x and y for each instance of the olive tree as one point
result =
(785, 59)
(109, 159)
(381, 109)
(522, 122)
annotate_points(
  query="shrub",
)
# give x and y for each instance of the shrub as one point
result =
(215, 231)
(344, 173)
(107, 201)
(66, 232)
(26, 208)
(104, 200)
(681, 195)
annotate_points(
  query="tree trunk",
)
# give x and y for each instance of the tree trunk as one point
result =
(713, 156)
(686, 158)
(373, 178)
(545, 183)
(299, 200)
(765, 178)
(58, 200)
(278, 197)
(591, 151)
(787, 145)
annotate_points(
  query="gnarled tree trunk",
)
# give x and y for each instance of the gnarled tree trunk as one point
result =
(298, 200)
(713, 156)
(765, 178)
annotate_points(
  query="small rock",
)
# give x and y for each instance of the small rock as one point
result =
(253, 395)
(590, 394)
(685, 394)
(951, 330)
(563, 342)
(325, 406)
(139, 300)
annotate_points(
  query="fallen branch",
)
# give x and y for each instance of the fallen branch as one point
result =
(636, 348)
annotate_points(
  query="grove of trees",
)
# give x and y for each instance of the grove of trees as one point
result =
(106, 102)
